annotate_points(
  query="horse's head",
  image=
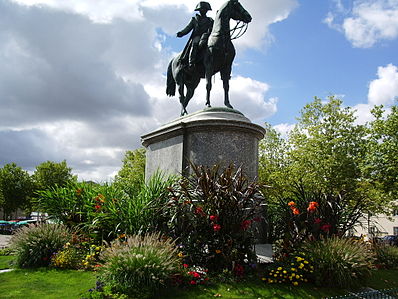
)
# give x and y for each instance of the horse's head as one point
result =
(237, 12)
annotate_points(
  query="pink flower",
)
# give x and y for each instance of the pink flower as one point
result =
(216, 227)
(213, 217)
(317, 220)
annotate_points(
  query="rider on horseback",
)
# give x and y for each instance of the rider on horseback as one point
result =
(201, 26)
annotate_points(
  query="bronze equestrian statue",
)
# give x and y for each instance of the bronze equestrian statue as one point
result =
(205, 55)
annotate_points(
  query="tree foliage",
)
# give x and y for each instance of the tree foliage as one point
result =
(132, 173)
(50, 174)
(329, 155)
(15, 188)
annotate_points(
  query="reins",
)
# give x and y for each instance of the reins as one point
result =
(242, 30)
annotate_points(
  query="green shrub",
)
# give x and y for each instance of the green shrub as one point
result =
(139, 265)
(35, 245)
(104, 211)
(387, 256)
(211, 214)
(340, 262)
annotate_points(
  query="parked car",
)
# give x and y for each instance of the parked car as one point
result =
(391, 240)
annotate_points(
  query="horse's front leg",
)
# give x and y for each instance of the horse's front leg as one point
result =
(226, 93)
(209, 74)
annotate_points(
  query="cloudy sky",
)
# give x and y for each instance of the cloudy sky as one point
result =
(82, 80)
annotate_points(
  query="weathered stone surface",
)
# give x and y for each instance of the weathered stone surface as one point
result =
(208, 137)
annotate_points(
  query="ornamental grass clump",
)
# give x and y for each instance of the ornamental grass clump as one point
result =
(138, 265)
(340, 262)
(386, 256)
(35, 245)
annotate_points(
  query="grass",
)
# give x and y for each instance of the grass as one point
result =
(5, 261)
(45, 283)
(50, 283)
(381, 279)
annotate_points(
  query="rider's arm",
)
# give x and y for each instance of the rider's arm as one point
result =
(187, 29)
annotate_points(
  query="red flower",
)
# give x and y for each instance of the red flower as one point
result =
(199, 211)
(216, 227)
(213, 218)
(317, 220)
(196, 274)
(245, 224)
(97, 207)
(326, 227)
(291, 204)
(295, 211)
(185, 265)
(192, 282)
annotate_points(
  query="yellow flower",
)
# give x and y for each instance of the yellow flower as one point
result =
(284, 271)
(275, 275)
(279, 268)
(97, 248)
(295, 283)
(301, 266)
(293, 269)
(305, 262)
(218, 251)
(298, 276)
(263, 279)
(180, 254)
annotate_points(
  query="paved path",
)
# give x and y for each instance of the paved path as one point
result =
(264, 252)
(4, 240)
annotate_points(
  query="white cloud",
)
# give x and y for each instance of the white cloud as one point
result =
(384, 90)
(367, 23)
(284, 129)
(82, 80)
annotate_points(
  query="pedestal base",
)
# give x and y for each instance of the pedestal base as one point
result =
(208, 137)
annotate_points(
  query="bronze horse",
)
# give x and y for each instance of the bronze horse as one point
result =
(216, 57)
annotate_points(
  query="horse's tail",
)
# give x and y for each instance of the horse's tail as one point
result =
(171, 83)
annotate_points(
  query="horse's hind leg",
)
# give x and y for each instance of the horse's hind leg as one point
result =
(182, 100)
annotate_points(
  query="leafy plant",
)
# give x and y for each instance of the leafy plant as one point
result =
(35, 245)
(105, 211)
(340, 262)
(139, 265)
(387, 256)
(211, 214)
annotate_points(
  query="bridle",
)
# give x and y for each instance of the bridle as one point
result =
(242, 30)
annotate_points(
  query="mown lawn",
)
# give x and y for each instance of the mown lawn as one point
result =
(45, 283)
(5, 262)
(51, 283)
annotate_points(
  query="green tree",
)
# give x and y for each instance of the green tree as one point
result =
(381, 163)
(132, 174)
(323, 157)
(50, 174)
(16, 188)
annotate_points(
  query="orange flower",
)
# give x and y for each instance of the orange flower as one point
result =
(292, 203)
(312, 206)
(295, 211)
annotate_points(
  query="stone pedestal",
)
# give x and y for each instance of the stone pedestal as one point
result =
(208, 137)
